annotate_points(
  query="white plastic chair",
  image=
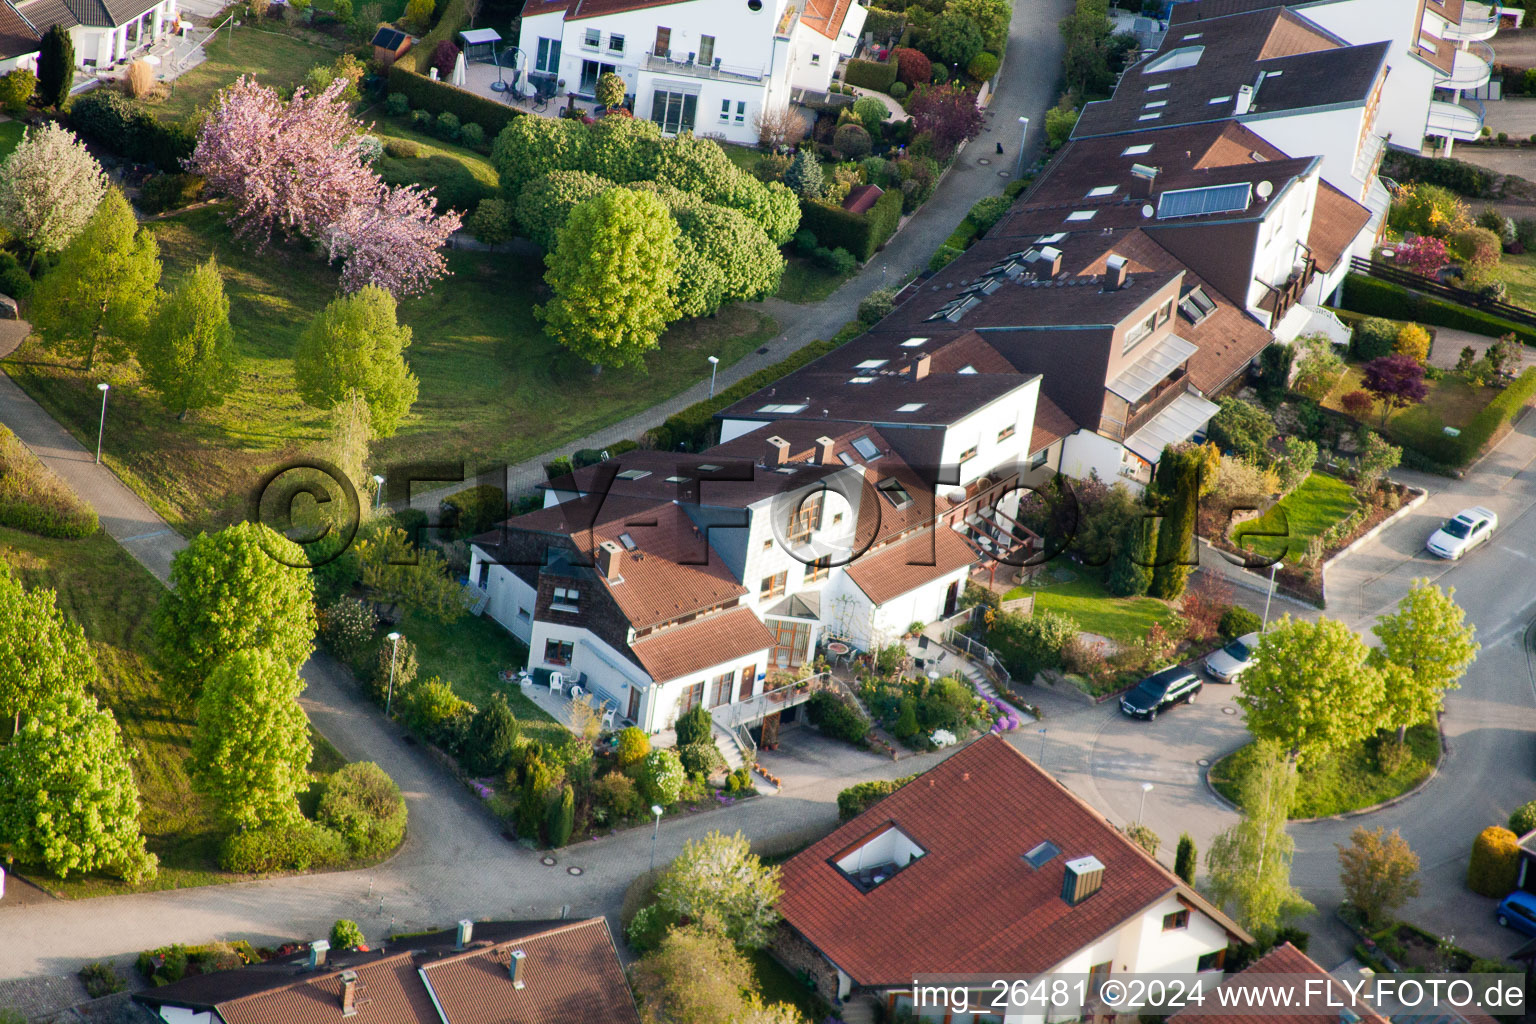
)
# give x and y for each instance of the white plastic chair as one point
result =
(608, 716)
(577, 692)
(556, 682)
(524, 678)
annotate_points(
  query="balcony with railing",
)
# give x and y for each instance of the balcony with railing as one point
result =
(1471, 68)
(1460, 121)
(786, 692)
(690, 68)
(1478, 21)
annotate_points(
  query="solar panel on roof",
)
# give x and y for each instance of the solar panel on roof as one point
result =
(389, 38)
(1196, 202)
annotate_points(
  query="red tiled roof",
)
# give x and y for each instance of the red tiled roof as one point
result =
(568, 974)
(862, 197)
(1282, 960)
(712, 640)
(389, 992)
(532, 8)
(826, 16)
(975, 814)
(1051, 425)
(1336, 221)
(887, 572)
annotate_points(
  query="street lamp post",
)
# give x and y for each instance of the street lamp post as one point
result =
(714, 364)
(1041, 759)
(102, 426)
(394, 652)
(378, 491)
(656, 810)
(1146, 787)
(1270, 596)
(1018, 168)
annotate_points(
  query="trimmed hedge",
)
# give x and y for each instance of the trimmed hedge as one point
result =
(1384, 299)
(440, 97)
(363, 805)
(871, 74)
(476, 509)
(282, 848)
(1456, 175)
(860, 233)
(855, 800)
(1494, 863)
(127, 128)
(34, 499)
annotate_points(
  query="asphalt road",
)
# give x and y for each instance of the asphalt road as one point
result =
(1490, 723)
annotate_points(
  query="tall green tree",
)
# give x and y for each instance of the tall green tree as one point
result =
(99, 297)
(67, 796)
(1310, 688)
(1426, 647)
(355, 347)
(55, 66)
(1248, 867)
(41, 652)
(613, 271)
(1185, 859)
(251, 750)
(188, 350)
(694, 977)
(1378, 872)
(230, 591)
(804, 175)
(1177, 485)
(50, 186)
(719, 877)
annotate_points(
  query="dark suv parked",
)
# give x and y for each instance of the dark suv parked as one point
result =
(1160, 690)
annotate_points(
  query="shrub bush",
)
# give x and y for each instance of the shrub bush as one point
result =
(700, 759)
(431, 709)
(694, 726)
(492, 739)
(943, 256)
(126, 127)
(1373, 338)
(1238, 621)
(14, 280)
(855, 800)
(841, 261)
(870, 74)
(632, 746)
(421, 120)
(345, 934)
(347, 628)
(439, 97)
(397, 104)
(1456, 175)
(1030, 645)
(101, 979)
(402, 149)
(860, 234)
(662, 777)
(837, 717)
(476, 509)
(297, 847)
(1494, 863)
(392, 659)
(562, 817)
(983, 66)
(447, 126)
(852, 140)
(170, 192)
(987, 212)
(899, 91)
(616, 792)
(876, 306)
(34, 499)
(913, 68)
(363, 805)
(1524, 819)
(473, 136)
(1412, 341)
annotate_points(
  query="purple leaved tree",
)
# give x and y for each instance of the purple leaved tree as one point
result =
(291, 167)
(1396, 381)
(394, 241)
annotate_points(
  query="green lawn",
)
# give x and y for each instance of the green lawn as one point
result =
(1518, 272)
(1451, 402)
(1346, 780)
(278, 60)
(777, 985)
(1083, 599)
(1317, 503)
(113, 599)
(459, 177)
(493, 387)
(10, 136)
(804, 282)
(469, 654)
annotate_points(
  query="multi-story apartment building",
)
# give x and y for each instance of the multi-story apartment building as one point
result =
(711, 67)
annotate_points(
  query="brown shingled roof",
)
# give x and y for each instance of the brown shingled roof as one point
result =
(389, 992)
(695, 646)
(975, 815)
(1336, 221)
(1292, 963)
(568, 974)
(16, 36)
(826, 16)
(888, 572)
(1051, 425)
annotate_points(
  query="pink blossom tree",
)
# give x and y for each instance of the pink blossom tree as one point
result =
(1425, 255)
(394, 242)
(293, 167)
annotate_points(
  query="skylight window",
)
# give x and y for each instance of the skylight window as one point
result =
(1175, 60)
(627, 541)
(911, 407)
(1042, 854)
(1048, 239)
(861, 380)
(1150, 117)
(634, 474)
(1192, 35)
(1196, 305)
(1136, 150)
(1215, 100)
(871, 364)
(914, 342)
(896, 493)
(846, 458)
(867, 448)
(1156, 103)
(1159, 86)
(1102, 190)
(967, 368)
(709, 467)
(1081, 215)
(783, 408)
(677, 479)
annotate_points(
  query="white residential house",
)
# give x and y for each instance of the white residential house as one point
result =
(104, 32)
(706, 66)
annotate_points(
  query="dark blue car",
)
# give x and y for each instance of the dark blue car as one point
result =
(1518, 911)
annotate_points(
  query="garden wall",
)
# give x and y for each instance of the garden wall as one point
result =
(859, 233)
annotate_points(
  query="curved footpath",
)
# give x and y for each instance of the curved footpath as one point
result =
(454, 863)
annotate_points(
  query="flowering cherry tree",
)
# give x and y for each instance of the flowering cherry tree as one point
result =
(394, 242)
(301, 168)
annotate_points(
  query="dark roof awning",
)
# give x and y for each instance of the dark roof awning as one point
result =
(388, 38)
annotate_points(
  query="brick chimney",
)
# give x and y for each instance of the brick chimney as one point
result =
(824, 446)
(610, 558)
(777, 453)
(921, 364)
(349, 993)
(515, 969)
(1115, 269)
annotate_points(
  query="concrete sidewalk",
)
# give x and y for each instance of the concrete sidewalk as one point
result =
(124, 515)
